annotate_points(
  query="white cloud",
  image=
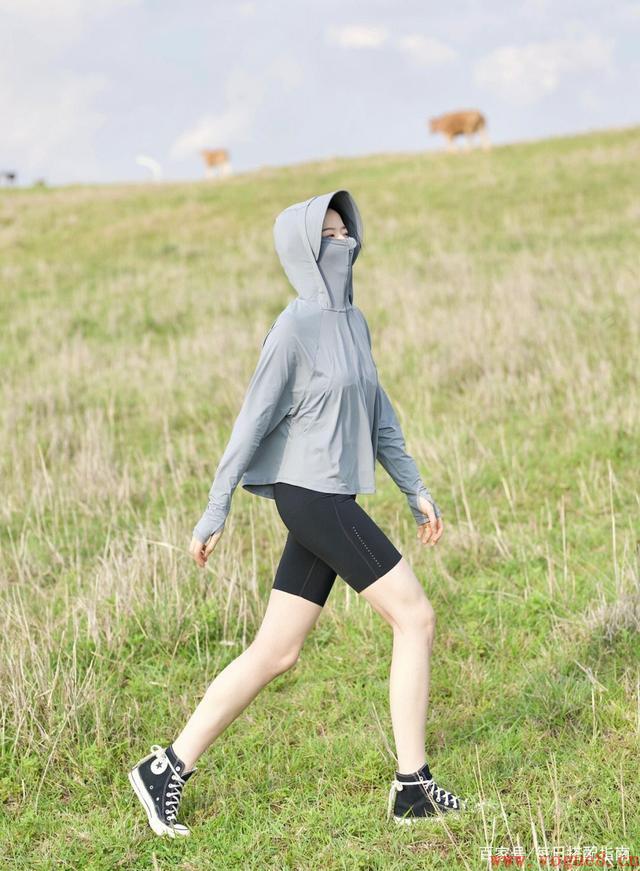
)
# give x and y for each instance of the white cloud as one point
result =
(358, 36)
(248, 9)
(422, 50)
(244, 94)
(426, 50)
(48, 113)
(629, 12)
(527, 73)
(49, 126)
(214, 131)
(56, 21)
(58, 8)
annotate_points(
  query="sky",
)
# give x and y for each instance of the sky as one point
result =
(89, 86)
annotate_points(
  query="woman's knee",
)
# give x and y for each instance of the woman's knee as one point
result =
(419, 616)
(400, 599)
(274, 660)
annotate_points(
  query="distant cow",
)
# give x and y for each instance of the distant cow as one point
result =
(465, 122)
(216, 162)
(8, 177)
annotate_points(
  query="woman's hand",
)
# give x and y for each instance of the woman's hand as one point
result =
(200, 552)
(430, 531)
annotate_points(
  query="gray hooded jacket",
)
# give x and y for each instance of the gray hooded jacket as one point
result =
(315, 413)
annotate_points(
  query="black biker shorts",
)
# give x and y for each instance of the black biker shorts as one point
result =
(329, 535)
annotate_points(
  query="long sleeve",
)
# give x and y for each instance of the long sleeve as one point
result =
(266, 403)
(400, 465)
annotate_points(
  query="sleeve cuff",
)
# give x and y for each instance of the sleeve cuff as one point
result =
(207, 526)
(421, 518)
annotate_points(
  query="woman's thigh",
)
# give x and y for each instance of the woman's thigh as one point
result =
(286, 623)
(329, 535)
(400, 598)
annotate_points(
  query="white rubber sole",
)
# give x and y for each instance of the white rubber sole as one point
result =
(409, 821)
(428, 820)
(155, 822)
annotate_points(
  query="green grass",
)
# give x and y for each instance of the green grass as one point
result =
(501, 290)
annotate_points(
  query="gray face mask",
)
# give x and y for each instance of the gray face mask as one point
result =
(334, 261)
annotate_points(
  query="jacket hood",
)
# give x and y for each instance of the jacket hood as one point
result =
(297, 234)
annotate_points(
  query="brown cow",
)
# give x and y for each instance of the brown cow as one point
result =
(464, 122)
(216, 159)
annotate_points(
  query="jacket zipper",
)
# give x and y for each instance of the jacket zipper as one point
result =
(347, 307)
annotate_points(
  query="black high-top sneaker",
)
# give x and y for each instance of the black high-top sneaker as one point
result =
(418, 796)
(158, 780)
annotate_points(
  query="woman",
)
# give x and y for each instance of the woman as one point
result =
(314, 420)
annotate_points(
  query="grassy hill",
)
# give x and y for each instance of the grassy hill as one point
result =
(501, 290)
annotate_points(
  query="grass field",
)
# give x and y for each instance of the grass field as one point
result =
(501, 290)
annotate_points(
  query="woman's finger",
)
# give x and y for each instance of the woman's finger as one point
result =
(212, 542)
(430, 527)
(196, 549)
(439, 529)
(424, 532)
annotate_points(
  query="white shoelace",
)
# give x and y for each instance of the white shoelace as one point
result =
(440, 795)
(174, 790)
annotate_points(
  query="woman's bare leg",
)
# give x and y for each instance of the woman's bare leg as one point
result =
(399, 598)
(276, 647)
